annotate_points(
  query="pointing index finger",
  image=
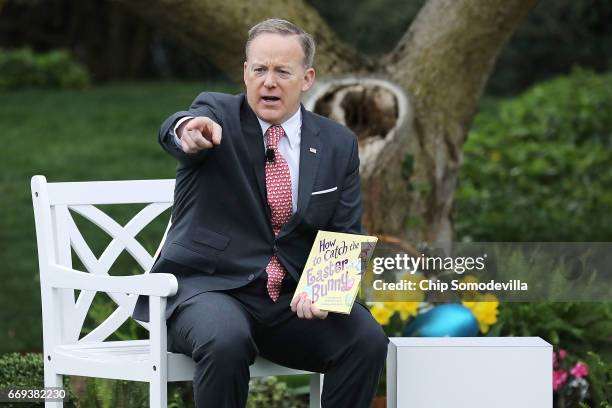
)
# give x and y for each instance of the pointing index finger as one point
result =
(217, 132)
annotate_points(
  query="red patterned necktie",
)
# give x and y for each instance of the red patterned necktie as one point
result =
(278, 187)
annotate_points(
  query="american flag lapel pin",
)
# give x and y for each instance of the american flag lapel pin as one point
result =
(313, 150)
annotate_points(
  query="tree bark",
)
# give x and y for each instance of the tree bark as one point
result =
(441, 65)
(444, 61)
(217, 30)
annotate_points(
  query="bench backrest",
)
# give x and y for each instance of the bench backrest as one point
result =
(57, 235)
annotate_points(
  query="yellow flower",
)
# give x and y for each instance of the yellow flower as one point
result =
(485, 311)
(469, 279)
(381, 313)
(469, 295)
(405, 309)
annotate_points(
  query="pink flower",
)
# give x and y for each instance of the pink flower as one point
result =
(559, 378)
(580, 370)
(562, 353)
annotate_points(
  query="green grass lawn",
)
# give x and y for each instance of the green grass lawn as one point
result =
(104, 133)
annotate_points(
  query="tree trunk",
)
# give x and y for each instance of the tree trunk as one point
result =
(412, 121)
(444, 62)
(217, 30)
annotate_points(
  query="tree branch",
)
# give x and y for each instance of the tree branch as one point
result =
(218, 30)
(448, 53)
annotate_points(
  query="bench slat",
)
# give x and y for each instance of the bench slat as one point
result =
(111, 192)
(106, 355)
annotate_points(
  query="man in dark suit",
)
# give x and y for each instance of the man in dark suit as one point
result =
(257, 177)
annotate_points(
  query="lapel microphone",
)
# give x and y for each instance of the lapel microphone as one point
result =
(270, 155)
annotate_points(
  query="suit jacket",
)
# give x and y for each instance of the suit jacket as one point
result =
(221, 236)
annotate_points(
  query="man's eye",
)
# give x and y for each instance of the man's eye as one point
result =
(259, 69)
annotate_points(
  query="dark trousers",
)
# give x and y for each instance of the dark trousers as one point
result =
(224, 331)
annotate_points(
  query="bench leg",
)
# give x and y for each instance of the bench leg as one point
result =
(315, 390)
(53, 380)
(158, 393)
(158, 385)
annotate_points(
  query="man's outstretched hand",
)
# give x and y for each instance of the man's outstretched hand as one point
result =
(198, 134)
(305, 309)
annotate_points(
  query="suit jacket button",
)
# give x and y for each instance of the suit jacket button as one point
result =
(251, 277)
(275, 249)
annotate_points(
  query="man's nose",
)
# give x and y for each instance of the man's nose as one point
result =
(269, 80)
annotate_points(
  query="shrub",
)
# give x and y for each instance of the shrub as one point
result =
(23, 68)
(601, 374)
(582, 328)
(27, 371)
(266, 392)
(538, 167)
(106, 393)
(269, 392)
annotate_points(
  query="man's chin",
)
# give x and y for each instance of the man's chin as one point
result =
(270, 116)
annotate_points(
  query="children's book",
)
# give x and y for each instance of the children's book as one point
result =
(334, 268)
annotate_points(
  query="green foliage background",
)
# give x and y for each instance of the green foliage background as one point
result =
(537, 167)
(22, 68)
(26, 371)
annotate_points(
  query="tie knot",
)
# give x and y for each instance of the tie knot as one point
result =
(273, 135)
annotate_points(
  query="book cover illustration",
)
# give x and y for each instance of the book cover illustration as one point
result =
(333, 270)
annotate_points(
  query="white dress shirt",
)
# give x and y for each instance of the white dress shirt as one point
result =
(289, 147)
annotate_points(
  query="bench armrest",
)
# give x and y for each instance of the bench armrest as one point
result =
(151, 284)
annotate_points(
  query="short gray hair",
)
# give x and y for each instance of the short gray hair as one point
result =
(285, 28)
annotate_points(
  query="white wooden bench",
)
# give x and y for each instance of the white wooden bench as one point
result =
(63, 316)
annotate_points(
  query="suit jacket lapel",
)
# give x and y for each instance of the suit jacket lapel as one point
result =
(255, 148)
(310, 145)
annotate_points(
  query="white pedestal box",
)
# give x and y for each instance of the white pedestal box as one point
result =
(469, 372)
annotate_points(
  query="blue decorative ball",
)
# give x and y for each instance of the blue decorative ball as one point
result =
(447, 320)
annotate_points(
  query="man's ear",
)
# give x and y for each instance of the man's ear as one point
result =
(309, 78)
(244, 74)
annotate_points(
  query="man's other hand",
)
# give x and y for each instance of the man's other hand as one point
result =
(198, 134)
(305, 309)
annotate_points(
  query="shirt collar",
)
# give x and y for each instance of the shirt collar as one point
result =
(291, 127)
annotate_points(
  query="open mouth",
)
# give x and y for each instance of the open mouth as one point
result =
(270, 98)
